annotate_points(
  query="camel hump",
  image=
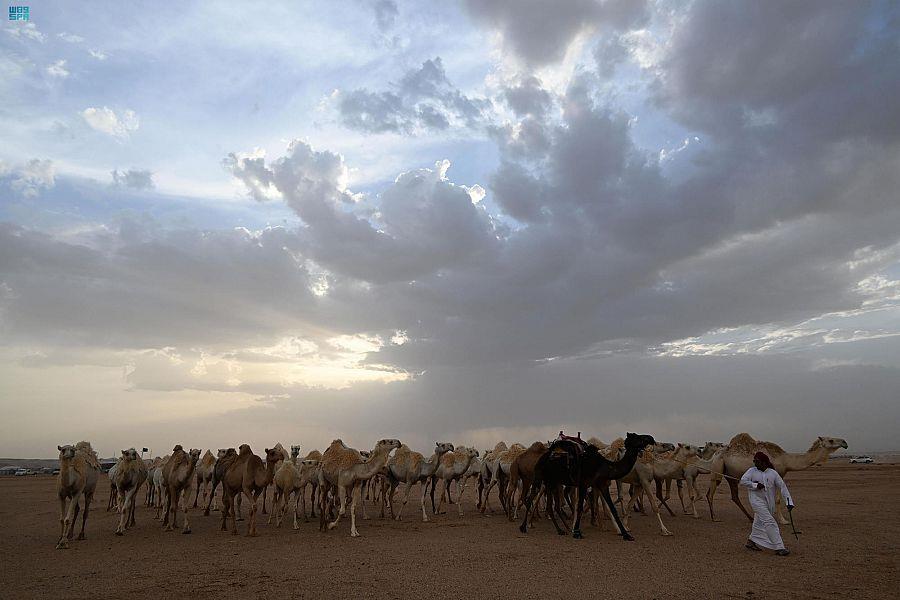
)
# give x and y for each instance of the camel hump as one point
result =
(87, 452)
(596, 443)
(744, 443)
(500, 447)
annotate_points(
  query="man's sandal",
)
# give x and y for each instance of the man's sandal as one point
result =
(752, 546)
(783, 552)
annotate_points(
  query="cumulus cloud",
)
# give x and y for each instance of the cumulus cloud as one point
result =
(29, 179)
(107, 121)
(58, 69)
(99, 55)
(26, 31)
(423, 99)
(137, 179)
(70, 37)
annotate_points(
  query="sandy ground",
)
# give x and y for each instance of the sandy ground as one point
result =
(849, 548)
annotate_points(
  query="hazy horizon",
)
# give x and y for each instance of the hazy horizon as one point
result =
(466, 222)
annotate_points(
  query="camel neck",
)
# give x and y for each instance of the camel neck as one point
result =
(623, 466)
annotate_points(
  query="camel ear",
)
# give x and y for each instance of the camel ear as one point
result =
(267, 450)
(59, 448)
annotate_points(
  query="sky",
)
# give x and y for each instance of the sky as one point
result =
(463, 221)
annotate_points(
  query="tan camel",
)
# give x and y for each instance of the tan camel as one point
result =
(113, 501)
(642, 478)
(737, 457)
(696, 466)
(151, 473)
(290, 479)
(473, 472)
(79, 470)
(177, 476)
(452, 466)
(159, 485)
(409, 467)
(204, 474)
(489, 465)
(250, 476)
(342, 468)
(129, 475)
(500, 472)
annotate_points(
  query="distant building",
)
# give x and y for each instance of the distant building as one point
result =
(8, 470)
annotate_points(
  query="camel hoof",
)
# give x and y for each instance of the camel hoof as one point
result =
(80, 537)
(185, 531)
(354, 534)
(119, 533)
(331, 526)
(627, 537)
(667, 533)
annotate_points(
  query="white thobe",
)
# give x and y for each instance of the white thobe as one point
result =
(765, 532)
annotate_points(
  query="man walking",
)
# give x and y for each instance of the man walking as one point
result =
(763, 482)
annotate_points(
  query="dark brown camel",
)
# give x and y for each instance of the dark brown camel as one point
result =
(569, 462)
(250, 476)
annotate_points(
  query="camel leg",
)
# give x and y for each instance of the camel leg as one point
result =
(779, 515)
(252, 498)
(185, 506)
(710, 494)
(196, 492)
(265, 493)
(123, 512)
(313, 496)
(298, 494)
(406, 492)
(662, 500)
(487, 494)
(655, 506)
(553, 502)
(443, 493)
(276, 498)
(604, 491)
(580, 494)
(527, 495)
(342, 498)
(131, 522)
(209, 500)
(355, 498)
(62, 543)
(737, 499)
(84, 515)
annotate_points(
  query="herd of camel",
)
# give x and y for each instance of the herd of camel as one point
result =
(545, 477)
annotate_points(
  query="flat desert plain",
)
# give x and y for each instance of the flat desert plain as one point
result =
(849, 548)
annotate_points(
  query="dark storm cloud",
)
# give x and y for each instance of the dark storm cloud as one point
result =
(423, 99)
(540, 32)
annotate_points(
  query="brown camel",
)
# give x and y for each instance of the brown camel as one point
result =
(130, 474)
(250, 476)
(177, 476)
(225, 457)
(77, 480)
(522, 468)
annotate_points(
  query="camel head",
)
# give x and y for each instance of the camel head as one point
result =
(244, 449)
(195, 455)
(442, 447)
(130, 454)
(66, 452)
(389, 443)
(295, 451)
(273, 455)
(366, 455)
(686, 450)
(829, 443)
(663, 447)
(634, 441)
(221, 453)
(466, 451)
